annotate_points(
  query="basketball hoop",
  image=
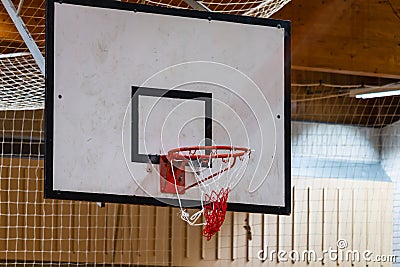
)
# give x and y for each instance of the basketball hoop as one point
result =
(216, 169)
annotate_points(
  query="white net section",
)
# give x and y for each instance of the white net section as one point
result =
(22, 83)
(262, 9)
(265, 9)
(217, 170)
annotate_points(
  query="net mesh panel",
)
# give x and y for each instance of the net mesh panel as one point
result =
(22, 84)
(344, 165)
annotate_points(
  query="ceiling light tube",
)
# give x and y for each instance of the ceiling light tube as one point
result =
(378, 94)
(392, 89)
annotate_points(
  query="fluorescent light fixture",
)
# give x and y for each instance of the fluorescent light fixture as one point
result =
(378, 94)
(391, 89)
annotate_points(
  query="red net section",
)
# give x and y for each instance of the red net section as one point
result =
(214, 211)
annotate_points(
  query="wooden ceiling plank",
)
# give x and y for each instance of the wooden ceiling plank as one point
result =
(347, 72)
(358, 36)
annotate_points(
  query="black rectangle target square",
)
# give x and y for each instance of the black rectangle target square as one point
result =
(205, 98)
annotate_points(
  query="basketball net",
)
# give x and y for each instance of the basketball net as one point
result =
(216, 170)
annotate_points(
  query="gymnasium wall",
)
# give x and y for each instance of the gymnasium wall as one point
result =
(391, 162)
(333, 196)
(33, 229)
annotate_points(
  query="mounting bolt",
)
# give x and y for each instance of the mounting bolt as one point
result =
(148, 167)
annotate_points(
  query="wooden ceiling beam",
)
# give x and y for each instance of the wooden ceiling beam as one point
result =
(347, 72)
(357, 37)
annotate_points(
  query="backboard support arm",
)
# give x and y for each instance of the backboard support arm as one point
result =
(197, 5)
(26, 36)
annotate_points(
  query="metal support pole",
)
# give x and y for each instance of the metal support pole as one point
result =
(197, 5)
(21, 2)
(26, 36)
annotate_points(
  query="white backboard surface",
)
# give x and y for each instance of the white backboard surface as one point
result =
(108, 109)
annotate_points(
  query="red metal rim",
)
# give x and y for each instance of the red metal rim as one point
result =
(237, 151)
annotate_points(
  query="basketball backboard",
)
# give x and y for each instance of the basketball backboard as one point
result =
(126, 83)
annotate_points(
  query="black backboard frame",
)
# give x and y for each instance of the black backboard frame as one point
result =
(49, 191)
